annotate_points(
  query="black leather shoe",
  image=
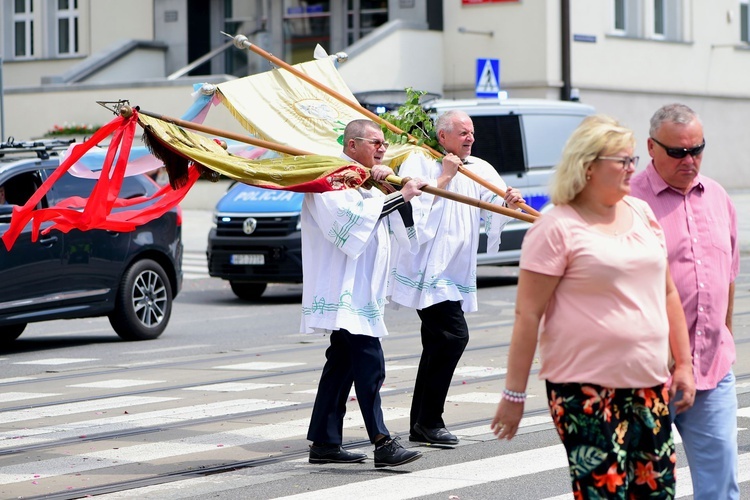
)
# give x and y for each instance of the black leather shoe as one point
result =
(439, 435)
(334, 454)
(391, 454)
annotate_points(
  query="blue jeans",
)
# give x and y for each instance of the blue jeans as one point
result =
(709, 435)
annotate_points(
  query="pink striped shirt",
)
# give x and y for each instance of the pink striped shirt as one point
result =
(701, 232)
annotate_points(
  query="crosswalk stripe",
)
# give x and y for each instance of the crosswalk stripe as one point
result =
(116, 383)
(55, 361)
(231, 387)
(12, 380)
(450, 477)
(82, 407)
(478, 371)
(120, 423)
(194, 265)
(7, 397)
(258, 366)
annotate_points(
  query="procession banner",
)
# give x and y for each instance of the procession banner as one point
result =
(305, 173)
(280, 107)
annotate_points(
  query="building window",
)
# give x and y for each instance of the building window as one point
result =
(744, 21)
(23, 28)
(67, 27)
(620, 21)
(659, 18)
(627, 18)
(653, 19)
(306, 24)
(363, 16)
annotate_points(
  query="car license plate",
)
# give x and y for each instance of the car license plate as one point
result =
(247, 259)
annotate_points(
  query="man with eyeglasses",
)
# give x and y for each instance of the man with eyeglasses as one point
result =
(345, 252)
(440, 280)
(700, 225)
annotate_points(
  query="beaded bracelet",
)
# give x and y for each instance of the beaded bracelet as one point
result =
(513, 396)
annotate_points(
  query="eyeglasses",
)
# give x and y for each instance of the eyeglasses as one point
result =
(680, 153)
(375, 142)
(625, 160)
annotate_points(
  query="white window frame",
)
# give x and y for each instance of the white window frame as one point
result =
(27, 19)
(71, 15)
(638, 19)
(673, 13)
(632, 18)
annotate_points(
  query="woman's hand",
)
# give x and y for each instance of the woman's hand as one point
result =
(683, 382)
(507, 419)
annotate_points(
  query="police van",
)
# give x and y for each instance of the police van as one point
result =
(256, 237)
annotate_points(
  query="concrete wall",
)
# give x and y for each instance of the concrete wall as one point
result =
(114, 20)
(30, 113)
(397, 62)
(138, 65)
(515, 33)
(170, 27)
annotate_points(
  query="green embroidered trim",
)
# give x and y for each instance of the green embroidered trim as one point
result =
(341, 234)
(434, 282)
(488, 217)
(371, 311)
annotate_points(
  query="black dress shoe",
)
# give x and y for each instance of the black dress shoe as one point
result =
(391, 454)
(438, 435)
(334, 454)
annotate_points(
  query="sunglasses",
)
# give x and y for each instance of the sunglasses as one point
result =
(375, 142)
(680, 153)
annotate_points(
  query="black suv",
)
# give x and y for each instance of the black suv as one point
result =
(131, 277)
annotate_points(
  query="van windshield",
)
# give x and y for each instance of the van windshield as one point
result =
(546, 136)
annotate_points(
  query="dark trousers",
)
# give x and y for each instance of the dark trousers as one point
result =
(444, 338)
(356, 359)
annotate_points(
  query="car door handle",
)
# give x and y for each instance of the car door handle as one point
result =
(48, 241)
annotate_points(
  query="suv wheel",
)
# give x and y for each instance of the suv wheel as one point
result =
(248, 291)
(143, 303)
(11, 332)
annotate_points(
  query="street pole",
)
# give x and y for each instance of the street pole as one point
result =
(565, 46)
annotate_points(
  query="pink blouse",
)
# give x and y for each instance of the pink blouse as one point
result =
(606, 322)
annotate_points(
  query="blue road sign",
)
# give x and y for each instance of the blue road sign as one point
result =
(488, 77)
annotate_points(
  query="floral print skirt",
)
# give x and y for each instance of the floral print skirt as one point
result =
(619, 441)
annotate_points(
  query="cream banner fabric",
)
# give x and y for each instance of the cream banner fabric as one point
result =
(278, 106)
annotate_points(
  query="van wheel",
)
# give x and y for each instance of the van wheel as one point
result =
(143, 303)
(248, 291)
(11, 332)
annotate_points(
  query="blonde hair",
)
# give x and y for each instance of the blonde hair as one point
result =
(597, 135)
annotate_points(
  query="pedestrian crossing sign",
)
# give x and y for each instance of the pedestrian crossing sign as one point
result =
(488, 77)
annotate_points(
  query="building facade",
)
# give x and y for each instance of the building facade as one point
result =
(625, 57)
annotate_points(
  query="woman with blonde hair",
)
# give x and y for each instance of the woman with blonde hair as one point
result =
(595, 290)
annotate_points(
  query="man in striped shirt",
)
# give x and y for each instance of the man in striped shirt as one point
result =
(700, 225)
